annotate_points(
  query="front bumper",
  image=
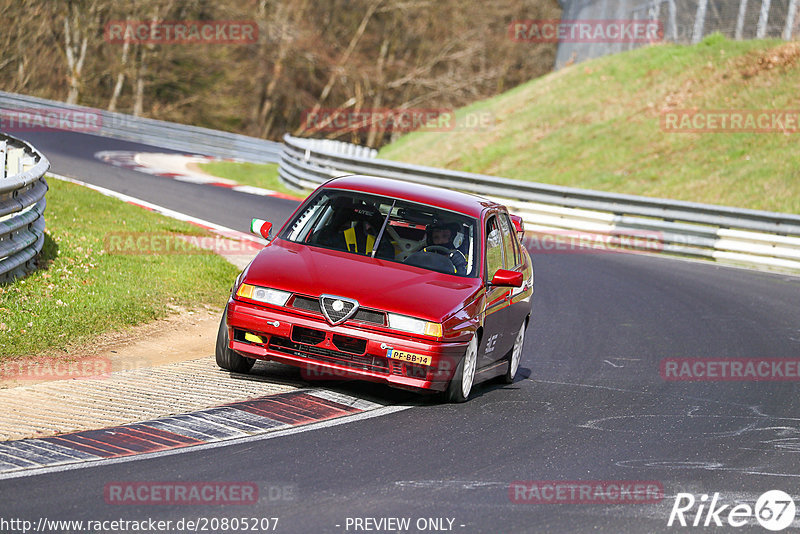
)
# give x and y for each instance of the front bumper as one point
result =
(346, 351)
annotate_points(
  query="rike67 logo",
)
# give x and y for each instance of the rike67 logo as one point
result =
(774, 510)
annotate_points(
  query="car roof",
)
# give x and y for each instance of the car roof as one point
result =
(433, 196)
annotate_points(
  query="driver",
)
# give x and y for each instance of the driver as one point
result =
(442, 235)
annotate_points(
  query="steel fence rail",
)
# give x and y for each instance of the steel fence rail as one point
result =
(18, 109)
(22, 205)
(737, 235)
(682, 21)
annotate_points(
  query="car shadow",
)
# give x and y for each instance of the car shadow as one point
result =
(289, 375)
(485, 388)
(274, 372)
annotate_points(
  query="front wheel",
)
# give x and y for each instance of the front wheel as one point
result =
(226, 358)
(461, 384)
(515, 355)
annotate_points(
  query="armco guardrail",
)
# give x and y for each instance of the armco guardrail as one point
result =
(22, 205)
(161, 134)
(684, 228)
(340, 147)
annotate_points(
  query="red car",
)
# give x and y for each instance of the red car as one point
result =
(393, 282)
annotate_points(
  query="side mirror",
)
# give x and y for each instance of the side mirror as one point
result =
(504, 277)
(261, 228)
(518, 223)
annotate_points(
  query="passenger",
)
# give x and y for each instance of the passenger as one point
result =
(355, 228)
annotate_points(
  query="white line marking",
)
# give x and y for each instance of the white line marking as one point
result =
(135, 161)
(252, 190)
(612, 365)
(162, 210)
(206, 446)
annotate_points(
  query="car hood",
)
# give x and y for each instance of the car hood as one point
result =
(374, 283)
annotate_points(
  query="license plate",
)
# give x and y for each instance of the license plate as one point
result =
(409, 357)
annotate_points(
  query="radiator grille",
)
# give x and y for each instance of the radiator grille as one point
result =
(322, 354)
(364, 315)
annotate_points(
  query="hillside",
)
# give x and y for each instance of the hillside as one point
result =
(598, 125)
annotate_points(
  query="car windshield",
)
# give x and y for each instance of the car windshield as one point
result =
(395, 230)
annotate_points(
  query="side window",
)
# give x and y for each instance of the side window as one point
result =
(494, 248)
(510, 247)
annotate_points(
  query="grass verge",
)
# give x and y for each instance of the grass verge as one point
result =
(597, 125)
(83, 290)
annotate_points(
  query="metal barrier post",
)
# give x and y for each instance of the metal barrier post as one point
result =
(22, 205)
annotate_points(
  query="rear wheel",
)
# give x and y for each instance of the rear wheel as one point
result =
(515, 355)
(461, 384)
(226, 358)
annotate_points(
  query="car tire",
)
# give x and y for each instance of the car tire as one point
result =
(226, 358)
(461, 384)
(515, 355)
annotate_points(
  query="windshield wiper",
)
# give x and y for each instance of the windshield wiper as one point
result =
(383, 228)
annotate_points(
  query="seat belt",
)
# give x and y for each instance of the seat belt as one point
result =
(350, 239)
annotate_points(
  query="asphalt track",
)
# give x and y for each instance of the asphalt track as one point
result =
(589, 404)
(72, 154)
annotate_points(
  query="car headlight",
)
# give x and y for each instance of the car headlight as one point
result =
(263, 294)
(415, 326)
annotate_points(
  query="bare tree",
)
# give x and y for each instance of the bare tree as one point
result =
(348, 55)
(287, 17)
(78, 25)
(336, 71)
(112, 104)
